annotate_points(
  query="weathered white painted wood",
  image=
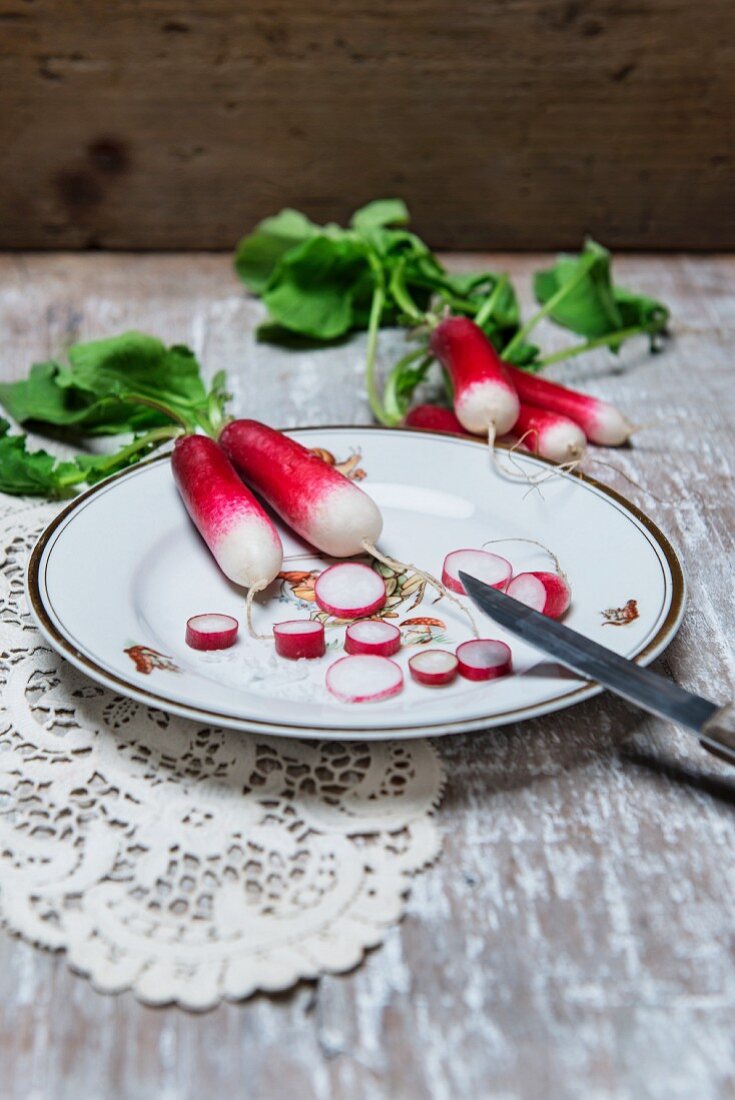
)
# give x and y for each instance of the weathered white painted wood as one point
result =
(576, 939)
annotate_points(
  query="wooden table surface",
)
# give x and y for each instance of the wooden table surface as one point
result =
(576, 938)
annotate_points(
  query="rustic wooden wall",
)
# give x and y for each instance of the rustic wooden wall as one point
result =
(504, 123)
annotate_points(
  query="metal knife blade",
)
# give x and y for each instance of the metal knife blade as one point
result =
(714, 724)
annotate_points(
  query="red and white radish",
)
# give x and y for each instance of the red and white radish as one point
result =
(548, 593)
(434, 418)
(211, 631)
(299, 638)
(485, 399)
(349, 590)
(433, 667)
(234, 525)
(601, 422)
(484, 659)
(490, 568)
(373, 637)
(314, 498)
(364, 679)
(550, 434)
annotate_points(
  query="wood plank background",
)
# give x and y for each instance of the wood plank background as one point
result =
(504, 123)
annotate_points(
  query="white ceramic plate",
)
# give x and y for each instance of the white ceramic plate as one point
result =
(114, 578)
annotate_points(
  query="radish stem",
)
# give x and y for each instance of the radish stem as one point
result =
(601, 342)
(376, 311)
(551, 304)
(402, 296)
(490, 302)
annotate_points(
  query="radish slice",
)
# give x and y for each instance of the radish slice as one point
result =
(211, 631)
(368, 636)
(548, 593)
(484, 659)
(299, 638)
(349, 590)
(364, 679)
(490, 568)
(433, 667)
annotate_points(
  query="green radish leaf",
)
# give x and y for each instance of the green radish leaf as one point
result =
(48, 397)
(314, 288)
(526, 356)
(135, 365)
(380, 213)
(637, 309)
(30, 473)
(589, 307)
(259, 254)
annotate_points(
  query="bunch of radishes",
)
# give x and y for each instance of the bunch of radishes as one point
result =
(337, 517)
(493, 398)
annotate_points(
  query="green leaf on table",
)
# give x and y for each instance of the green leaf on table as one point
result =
(380, 213)
(259, 253)
(47, 397)
(638, 309)
(314, 288)
(30, 473)
(583, 284)
(135, 365)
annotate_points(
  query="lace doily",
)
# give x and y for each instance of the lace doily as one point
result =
(190, 864)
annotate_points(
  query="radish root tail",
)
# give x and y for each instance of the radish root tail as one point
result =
(532, 480)
(252, 593)
(404, 566)
(533, 542)
(628, 478)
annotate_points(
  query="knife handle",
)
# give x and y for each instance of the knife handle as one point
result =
(717, 735)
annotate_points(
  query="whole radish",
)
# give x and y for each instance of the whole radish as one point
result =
(312, 497)
(550, 434)
(485, 399)
(434, 418)
(601, 422)
(235, 527)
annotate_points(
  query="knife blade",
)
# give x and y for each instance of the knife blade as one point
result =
(713, 723)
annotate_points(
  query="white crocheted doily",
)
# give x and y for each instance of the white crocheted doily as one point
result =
(190, 864)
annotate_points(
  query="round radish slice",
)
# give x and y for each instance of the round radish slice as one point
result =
(349, 590)
(299, 638)
(433, 667)
(377, 638)
(484, 659)
(364, 679)
(211, 631)
(490, 568)
(548, 593)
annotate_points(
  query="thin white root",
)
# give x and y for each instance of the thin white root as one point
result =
(404, 566)
(627, 477)
(533, 542)
(518, 474)
(252, 593)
